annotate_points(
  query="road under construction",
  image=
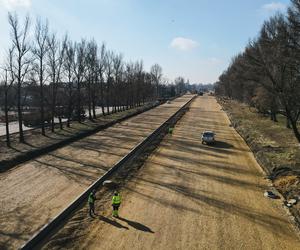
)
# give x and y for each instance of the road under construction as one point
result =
(33, 193)
(186, 196)
(190, 196)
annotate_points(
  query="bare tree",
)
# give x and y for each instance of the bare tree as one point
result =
(21, 61)
(40, 50)
(179, 85)
(9, 79)
(117, 75)
(101, 71)
(156, 73)
(273, 58)
(272, 61)
(68, 69)
(56, 58)
(109, 79)
(79, 69)
(128, 75)
(91, 71)
(63, 77)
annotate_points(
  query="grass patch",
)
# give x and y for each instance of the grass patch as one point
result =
(272, 140)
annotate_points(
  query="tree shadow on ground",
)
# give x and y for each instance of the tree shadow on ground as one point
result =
(267, 221)
(29, 144)
(196, 149)
(13, 235)
(228, 168)
(164, 202)
(83, 176)
(137, 225)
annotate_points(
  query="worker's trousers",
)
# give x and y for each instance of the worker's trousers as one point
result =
(115, 209)
(91, 209)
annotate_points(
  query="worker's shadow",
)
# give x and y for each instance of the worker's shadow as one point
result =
(112, 222)
(137, 225)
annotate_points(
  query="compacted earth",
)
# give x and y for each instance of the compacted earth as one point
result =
(33, 193)
(189, 196)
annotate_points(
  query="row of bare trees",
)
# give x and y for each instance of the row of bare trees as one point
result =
(66, 77)
(267, 74)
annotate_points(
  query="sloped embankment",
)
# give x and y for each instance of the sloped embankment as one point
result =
(274, 147)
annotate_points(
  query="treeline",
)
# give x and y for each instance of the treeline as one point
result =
(266, 75)
(182, 85)
(62, 77)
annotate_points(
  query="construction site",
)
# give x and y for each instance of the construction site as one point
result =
(158, 125)
(182, 194)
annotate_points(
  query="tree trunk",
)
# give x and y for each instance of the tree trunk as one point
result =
(94, 108)
(273, 116)
(293, 123)
(78, 101)
(20, 118)
(295, 130)
(42, 98)
(288, 123)
(6, 119)
(107, 99)
(69, 111)
(60, 122)
(42, 113)
(89, 100)
(102, 97)
(69, 114)
(53, 106)
(94, 102)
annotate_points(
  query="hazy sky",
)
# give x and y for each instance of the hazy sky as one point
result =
(191, 38)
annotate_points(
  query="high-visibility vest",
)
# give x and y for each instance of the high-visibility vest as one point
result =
(116, 200)
(91, 198)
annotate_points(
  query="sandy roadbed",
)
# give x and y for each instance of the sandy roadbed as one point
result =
(190, 196)
(33, 193)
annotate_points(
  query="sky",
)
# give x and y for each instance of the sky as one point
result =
(195, 39)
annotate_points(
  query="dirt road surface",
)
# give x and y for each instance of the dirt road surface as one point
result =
(33, 193)
(192, 196)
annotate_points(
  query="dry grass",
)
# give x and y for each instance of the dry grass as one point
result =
(274, 146)
(273, 141)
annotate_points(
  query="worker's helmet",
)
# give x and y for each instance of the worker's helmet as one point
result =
(94, 191)
(116, 193)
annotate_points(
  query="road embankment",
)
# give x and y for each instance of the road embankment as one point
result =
(274, 147)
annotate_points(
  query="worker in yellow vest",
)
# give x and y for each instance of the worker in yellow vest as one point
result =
(116, 202)
(91, 201)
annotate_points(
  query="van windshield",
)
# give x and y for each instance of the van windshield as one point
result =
(208, 134)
